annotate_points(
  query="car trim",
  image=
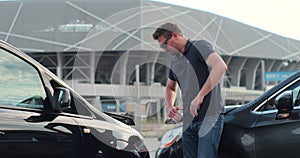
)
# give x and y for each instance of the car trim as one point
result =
(255, 111)
(75, 115)
(10, 107)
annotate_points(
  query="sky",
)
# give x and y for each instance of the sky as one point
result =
(277, 16)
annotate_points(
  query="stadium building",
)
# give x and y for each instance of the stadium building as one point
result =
(105, 51)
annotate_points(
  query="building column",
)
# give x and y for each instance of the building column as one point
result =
(251, 66)
(92, 67)
(237, 66)
(59, 70)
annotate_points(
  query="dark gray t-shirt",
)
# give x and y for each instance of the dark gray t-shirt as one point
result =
(191, 71)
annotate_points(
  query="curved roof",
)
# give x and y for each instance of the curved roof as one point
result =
(85, 25)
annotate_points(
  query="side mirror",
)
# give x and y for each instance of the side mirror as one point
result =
(297, 101)
(61, 99)
(284, 104)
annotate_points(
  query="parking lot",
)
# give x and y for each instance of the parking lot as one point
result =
(153, 133)
(152, 144)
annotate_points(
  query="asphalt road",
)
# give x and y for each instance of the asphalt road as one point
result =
(152, 145)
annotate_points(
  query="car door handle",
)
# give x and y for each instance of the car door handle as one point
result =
(2, 134)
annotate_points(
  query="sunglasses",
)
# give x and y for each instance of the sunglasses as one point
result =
(165, 44)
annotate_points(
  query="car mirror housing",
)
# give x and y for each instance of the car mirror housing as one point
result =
(284, 104)
(61, 99)
(297, 100)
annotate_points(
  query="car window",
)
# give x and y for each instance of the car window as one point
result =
(20, 83)
(270, 104)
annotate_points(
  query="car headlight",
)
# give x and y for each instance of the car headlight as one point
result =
(170, 137)
(139, 142)
(134, 144)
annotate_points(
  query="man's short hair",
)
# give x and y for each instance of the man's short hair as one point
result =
(166, 30)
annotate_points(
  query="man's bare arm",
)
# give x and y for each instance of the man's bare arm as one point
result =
(171, 89)
(218, 68)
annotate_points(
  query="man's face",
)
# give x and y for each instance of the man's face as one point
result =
(167, 44)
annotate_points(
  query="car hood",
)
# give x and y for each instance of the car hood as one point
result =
(113, 133)
(228, 109)
(111, 123)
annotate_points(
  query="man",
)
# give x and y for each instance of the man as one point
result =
(198, 70)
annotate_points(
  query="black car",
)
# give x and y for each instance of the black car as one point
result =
(268, 126)
(41, 116)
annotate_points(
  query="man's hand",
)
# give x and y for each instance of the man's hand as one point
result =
(195, 105)
(174, 114)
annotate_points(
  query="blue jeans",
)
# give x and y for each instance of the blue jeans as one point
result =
(201, 138)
